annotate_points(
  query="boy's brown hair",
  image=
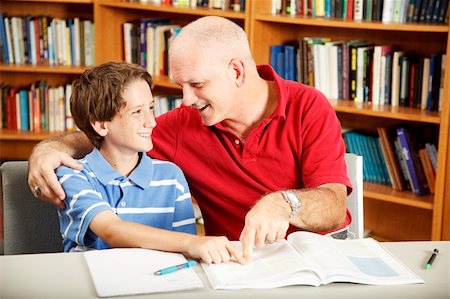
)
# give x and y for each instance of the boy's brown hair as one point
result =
(97, 94)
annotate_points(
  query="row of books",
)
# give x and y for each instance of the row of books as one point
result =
(165, 103)
(236, 5)
(394, 158)
(35, 40)
(387, 11)
(146, 42)
(39, 107)
(360, 71)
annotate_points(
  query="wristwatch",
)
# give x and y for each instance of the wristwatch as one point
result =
(293, 200)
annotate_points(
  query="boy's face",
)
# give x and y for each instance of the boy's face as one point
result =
(131, 129)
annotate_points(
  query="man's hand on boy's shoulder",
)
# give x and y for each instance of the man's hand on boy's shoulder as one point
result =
(42, 179)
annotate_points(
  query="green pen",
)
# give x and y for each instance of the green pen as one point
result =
(431, 260)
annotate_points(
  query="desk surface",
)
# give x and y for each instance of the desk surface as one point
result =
(65, 275)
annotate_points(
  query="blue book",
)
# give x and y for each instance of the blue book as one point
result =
(387, 85)
(3, 38)
(72, 41)
(24, 110)
(143, 25)
(418, 181)
(380, 160)
(430, 86)
(290, 62)
(277, 59)
(442, 10)
(374, 173)
(435, 14)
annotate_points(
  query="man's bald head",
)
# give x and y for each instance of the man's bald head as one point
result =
(213, 37)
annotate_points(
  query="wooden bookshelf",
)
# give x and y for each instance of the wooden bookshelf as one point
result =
(17, 145)
(389, 214)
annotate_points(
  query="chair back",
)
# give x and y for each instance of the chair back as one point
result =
(30, 226)
(355, 199)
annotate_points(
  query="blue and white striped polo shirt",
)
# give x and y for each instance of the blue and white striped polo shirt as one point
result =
(155, 194)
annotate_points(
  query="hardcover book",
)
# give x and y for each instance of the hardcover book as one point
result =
(311, 259)
(414, 168)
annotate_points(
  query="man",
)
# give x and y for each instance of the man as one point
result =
(263, 156)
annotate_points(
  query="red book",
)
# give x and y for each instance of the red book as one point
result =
(350, 9)
(11, 113)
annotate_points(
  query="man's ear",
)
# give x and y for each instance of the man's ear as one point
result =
(238, 70)
(100, 127)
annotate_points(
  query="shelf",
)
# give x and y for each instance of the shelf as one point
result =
(8, 134)
(339, 23)
(17, 145)
(164, 81)
(407, 198)
(198, 11)
(58, 1)
(41, 68)
(386, 111)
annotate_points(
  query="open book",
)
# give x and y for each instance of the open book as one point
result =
(311, 259)
(129, 271)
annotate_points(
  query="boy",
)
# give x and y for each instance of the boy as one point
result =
(122, 197)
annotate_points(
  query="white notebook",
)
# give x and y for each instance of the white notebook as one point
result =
(130, 271)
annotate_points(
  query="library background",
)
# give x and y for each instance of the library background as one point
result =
(380, 63)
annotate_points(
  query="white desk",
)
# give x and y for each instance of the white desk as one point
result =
(65, 275)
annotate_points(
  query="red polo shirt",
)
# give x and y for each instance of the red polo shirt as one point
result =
(298, 146)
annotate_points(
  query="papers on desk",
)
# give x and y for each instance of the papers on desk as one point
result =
(311, 259)
(130, 271)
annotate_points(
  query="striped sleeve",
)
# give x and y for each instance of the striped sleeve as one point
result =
(183, 218)
(82, 203)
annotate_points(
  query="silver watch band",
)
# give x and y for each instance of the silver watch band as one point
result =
(293, 200)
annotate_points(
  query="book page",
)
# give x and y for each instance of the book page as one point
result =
(127, 271)
(358, 261)
(272, 266)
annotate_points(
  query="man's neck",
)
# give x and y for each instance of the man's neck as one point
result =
(261, 102)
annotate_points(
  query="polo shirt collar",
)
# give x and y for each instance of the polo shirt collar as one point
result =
(268, 73)
(105, 173)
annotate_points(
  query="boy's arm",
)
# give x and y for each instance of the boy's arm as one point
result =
(47, 156)
(117, 233)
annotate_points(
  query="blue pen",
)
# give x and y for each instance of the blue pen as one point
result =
(175, 268)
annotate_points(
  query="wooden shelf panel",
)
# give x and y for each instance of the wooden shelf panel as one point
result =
(8, 134)
(339, 23)
(57, 1)
(41, 68)
(386, 111)
(407, 198)
(164, 81)
(199, 11)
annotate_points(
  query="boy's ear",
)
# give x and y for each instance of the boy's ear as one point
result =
(100, 127)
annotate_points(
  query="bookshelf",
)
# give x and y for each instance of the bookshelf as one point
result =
(112, 14)
(108, 16)
(18, 144)
(389, 214)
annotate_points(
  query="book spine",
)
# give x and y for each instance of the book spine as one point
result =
(403, 137)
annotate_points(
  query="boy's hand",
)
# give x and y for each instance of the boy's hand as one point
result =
(214, 250)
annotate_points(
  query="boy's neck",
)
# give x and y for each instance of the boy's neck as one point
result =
(123, 163)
